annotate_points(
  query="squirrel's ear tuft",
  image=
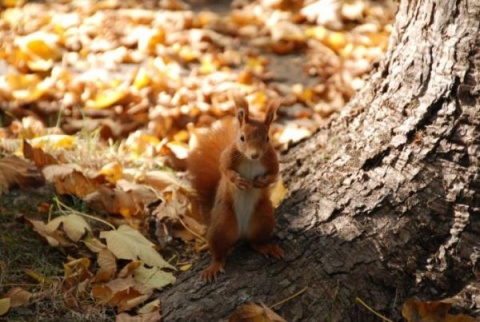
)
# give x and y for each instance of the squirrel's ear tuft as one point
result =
(271, 111)
(241, 107)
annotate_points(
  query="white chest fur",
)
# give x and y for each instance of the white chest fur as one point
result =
(246, 200)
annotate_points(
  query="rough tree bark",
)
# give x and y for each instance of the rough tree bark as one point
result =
(384, 203)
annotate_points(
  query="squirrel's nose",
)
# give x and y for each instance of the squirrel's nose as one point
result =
(254, 155)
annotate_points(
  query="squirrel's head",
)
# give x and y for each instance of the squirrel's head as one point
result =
(253, 137)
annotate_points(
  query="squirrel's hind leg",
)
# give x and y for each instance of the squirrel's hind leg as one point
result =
(261, 229)
(222, 236)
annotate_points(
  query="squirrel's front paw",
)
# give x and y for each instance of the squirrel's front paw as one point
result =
(242, 183)
(261, 182)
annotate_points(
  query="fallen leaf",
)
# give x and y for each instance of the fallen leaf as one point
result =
(251, 312)
(38, 156)
(153, 306)
(53, 141)
(4, 305)
(278, 193)
(17, 171)
(54, 238)
(431, 311)
(112, 172)
(108, 266)
(153, 277)
(128, 243)
(73, 225)
(18, 296)
(94, 244)
(70, 179)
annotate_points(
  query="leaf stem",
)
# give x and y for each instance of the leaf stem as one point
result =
(290, 297)
(359, 300)
(64, 207)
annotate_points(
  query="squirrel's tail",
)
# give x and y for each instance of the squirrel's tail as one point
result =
(203, 162)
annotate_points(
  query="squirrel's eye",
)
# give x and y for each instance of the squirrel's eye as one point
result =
(242, 138)
(267, 139)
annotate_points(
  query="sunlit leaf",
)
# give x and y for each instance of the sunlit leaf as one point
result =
(153, 277)
(53, 141)
(112, 172)
(128, 243)
(74, 226)
(107, 98)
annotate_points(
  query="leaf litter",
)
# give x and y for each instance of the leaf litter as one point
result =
(102, 98)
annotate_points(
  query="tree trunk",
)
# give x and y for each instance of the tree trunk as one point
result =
(384, 203)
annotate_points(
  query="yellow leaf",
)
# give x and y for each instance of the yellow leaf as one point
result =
(153, 277)
(336, 41)
(73, 225)
(41, 49)
(107, 98)
(25, 87)
(128, 243)
(4, 305)
(316, 32)
(185, 267)
(152, 306)
(278, 193)
(54, 141)
(141, 79)
(112, 171)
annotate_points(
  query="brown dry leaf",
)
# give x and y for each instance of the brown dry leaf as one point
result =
(78, 268)
(119, 201)
(18, 296)
(17, 171)
(129, 269)
(108, 266)
(160, 180)
(121, 292)
(128, 243)
(38, 156)
(435, 311)
(74, 226)
(130, 303)
(54, 237)
(251, 312)
(70, 179)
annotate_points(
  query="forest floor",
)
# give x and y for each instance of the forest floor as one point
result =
(100, 99)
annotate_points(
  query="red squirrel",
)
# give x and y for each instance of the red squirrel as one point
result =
(232, 169)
